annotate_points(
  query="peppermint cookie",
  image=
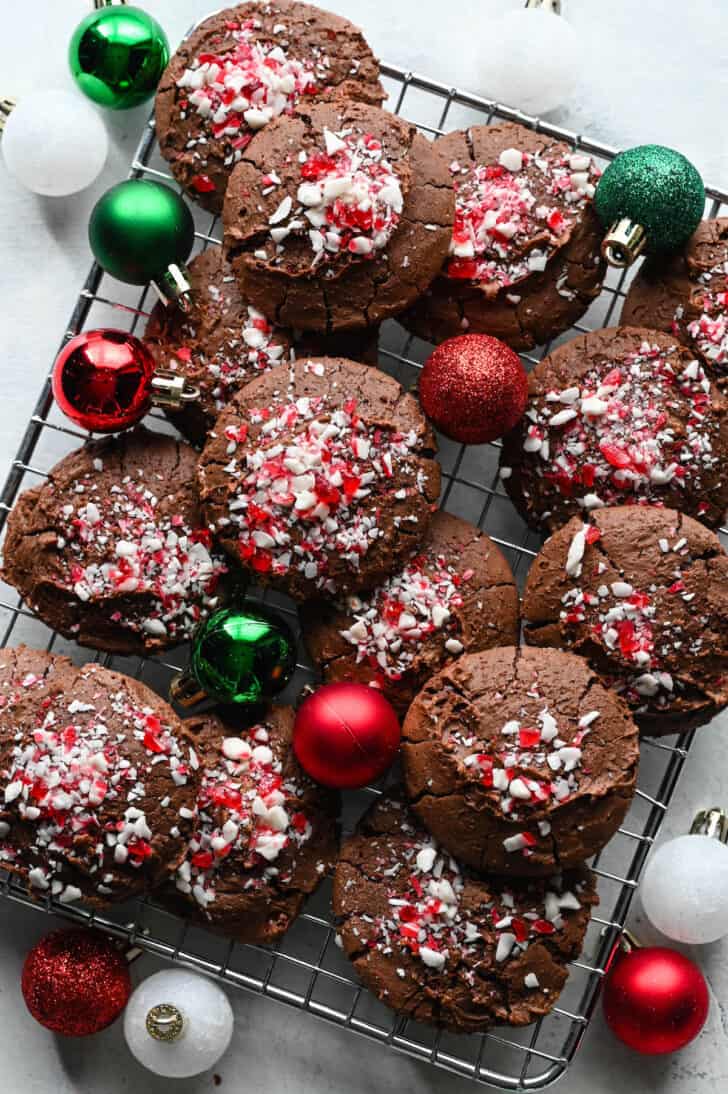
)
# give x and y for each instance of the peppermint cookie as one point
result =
(519, 761)
(319, 477)
(441, 944)
(687, 295)
(457, 594)
(337, 217)
(240, 69)
(644, 597)
(524, 260)
(264, 835)
(621, 416)
(111, 550)
(97, 780)
(223, 341)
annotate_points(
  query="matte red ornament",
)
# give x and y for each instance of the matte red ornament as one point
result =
(102, 380)
(346, 735)
(655, 1000)
(76, 982)
(473, 388)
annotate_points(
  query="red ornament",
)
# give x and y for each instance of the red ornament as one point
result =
(346, 735)
(473, 388)
(102, 380)
(655, 1000)
(76, 982)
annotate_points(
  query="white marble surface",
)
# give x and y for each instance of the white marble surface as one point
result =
(656, 70)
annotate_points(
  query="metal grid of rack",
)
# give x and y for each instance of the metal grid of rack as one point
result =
(306, 969)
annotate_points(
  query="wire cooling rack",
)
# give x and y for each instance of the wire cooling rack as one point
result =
(306, 969)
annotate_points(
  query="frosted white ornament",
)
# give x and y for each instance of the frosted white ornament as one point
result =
(195, 1027)
(54, 143)
(531, 60)
(685, 886)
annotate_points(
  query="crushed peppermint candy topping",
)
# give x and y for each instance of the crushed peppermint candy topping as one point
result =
(392, 622)
(349, 200)
(243, 811)
(240, 90)
(511, 216)
(312, 485)
(610, 439)
(427, 919)
(709, 331)
(71, 775)
(115, 543)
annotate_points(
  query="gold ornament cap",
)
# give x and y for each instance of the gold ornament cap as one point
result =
(623, 243)
(7, 105)
(99, 4)
(547, 5)
(170, 389)
(173, 287)
(165, 1022)
(711, 822)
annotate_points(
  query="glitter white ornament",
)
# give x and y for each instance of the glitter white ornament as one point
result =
(207, 1023)
(685, 889)
(54, 143)
(531, 60)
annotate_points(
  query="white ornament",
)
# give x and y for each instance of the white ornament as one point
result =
(531, 60)
(207, 1023)
(54, 143)
(685, 889)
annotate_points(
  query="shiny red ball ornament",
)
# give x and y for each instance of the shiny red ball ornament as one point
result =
(76, 982)
(346, 735)
(473, 388)
(655, 1000)
(102, 380)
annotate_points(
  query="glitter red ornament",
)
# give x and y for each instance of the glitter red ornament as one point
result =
(105, 381)
(655, 1000)
(346, 735)
(76, 982)
(473, 388)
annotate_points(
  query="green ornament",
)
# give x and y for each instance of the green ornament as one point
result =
(239, 655)
(143, 231)
(651, 199)
(117, 55)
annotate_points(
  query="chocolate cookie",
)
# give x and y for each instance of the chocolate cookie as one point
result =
(524, 261)
(621, 416)
(520, 761)
(264, 837)
(223, 342)
(319, 477)
(243, 67)
(687, 295)
(111, 550)
(97, 777)
(457, 594)
(338, 216)
(644, 597)
(441, 944)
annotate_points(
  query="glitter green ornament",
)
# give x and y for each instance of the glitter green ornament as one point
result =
(117, 55)
(241, 655)
(651, 199)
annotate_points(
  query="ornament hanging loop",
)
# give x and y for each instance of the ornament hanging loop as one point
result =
(164, 1022)
(7, 105)
(553, 6)
(711, 822)
(173, 287)
(171, 390)
(623, 243)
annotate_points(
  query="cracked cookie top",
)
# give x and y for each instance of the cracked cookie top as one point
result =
(455, 594)
(319, 477)
(434, 941)
(264, 835)
(337, 216)
(111, 550)
(243, 67)
(520, 761)
(97, 780)
(621, 416)
(644, 597)
(687, 295)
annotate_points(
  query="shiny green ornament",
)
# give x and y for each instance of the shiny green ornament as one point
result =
(240, 655)
(117, 55)
(142, 231)
(651, 199)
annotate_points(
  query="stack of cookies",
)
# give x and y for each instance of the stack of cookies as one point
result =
(463, 894)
